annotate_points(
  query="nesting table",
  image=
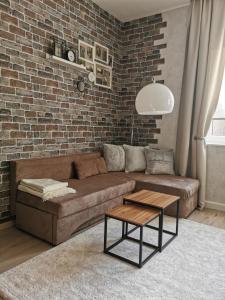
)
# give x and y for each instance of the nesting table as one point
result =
(139, 209)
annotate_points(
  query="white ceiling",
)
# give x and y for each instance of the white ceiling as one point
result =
(127, 10)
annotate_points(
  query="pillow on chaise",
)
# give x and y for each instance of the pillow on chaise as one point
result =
(134, 158)
(101, 165)
(114, 157)
(86, 168)
(159, 161)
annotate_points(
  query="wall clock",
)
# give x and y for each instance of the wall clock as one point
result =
(70, 55)
(81, 86)
(91, 77)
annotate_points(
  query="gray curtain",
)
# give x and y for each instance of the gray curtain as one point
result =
(202, 79)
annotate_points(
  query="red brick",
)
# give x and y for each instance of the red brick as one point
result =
(7, 90)
(30, 114)
(7, 35)
(51, 83)
(30, 13)
(17, 83)
(58, 92)
(28, 100)
(52, 128)
(38, 31)
(9, 73)
(38, 80)
(17, 134)
(30, 64)
(10, 126)
(38, 127)
(7, 142)
(28, 148)
(9, 19)
(50, 3)
(17, 30)
(27, 49)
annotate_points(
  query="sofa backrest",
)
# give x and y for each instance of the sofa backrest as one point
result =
(58, 168)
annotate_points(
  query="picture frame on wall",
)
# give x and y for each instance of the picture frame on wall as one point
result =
(86, 52)
(101, 53)
(103, 75)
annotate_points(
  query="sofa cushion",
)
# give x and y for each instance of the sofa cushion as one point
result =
(114, 157)
(101, 166)
(91, 191)
(168, 184)
(134, 158)
(86, 167)
(159, 161)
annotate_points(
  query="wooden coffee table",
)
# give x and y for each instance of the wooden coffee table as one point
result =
(157, 201)
(135, 215)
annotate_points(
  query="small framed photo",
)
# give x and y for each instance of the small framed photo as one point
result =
(103, 75)
(86, 51)
(110, 61)
(101, 53)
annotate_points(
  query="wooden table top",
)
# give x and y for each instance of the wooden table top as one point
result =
(154, 199)
(133, 214)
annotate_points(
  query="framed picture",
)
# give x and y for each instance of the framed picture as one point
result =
(110, 61)
(101, 53)
(103, 75)
(86, 51)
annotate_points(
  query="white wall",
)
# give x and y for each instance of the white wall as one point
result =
(175, 35)
(215, 194)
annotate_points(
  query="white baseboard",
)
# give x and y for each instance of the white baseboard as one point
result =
(215, 205)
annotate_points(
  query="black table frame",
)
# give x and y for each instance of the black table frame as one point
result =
(125, 236)
(160, 228)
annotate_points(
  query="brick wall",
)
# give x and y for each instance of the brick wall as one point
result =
(41, 113)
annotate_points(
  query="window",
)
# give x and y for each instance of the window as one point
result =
(216, 133)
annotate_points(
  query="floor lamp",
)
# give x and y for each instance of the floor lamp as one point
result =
(153, 99)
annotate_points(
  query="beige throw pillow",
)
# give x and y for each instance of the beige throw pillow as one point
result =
(159, 161)
(134, 158)
(114, 157)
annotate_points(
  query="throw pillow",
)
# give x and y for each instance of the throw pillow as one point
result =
(159, 161)
(86, 168)
(114, 157)
(134, 158)
(101, 165)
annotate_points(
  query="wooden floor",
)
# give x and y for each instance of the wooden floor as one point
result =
(17, 246)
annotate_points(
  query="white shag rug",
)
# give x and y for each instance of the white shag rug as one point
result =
(191, 267)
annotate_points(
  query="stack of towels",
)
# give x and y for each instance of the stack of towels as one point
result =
(45, 188)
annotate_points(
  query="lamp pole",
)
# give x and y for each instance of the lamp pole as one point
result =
(132, 130)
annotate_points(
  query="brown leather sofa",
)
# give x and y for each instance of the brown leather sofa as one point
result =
(56, 219)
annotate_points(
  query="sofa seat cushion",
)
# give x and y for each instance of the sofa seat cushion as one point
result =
(169, 184)
(91, 191)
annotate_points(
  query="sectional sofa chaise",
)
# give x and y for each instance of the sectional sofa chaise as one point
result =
(56, 219)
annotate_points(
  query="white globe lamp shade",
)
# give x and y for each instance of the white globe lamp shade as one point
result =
(154, 99)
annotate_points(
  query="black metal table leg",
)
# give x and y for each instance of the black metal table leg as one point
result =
(105, 234)
(141, 246)
(126, 230)
(177, 216)
(161, 230)
(123, 227)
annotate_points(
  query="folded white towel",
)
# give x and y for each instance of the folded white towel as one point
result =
(47, 195)
(43, 185)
